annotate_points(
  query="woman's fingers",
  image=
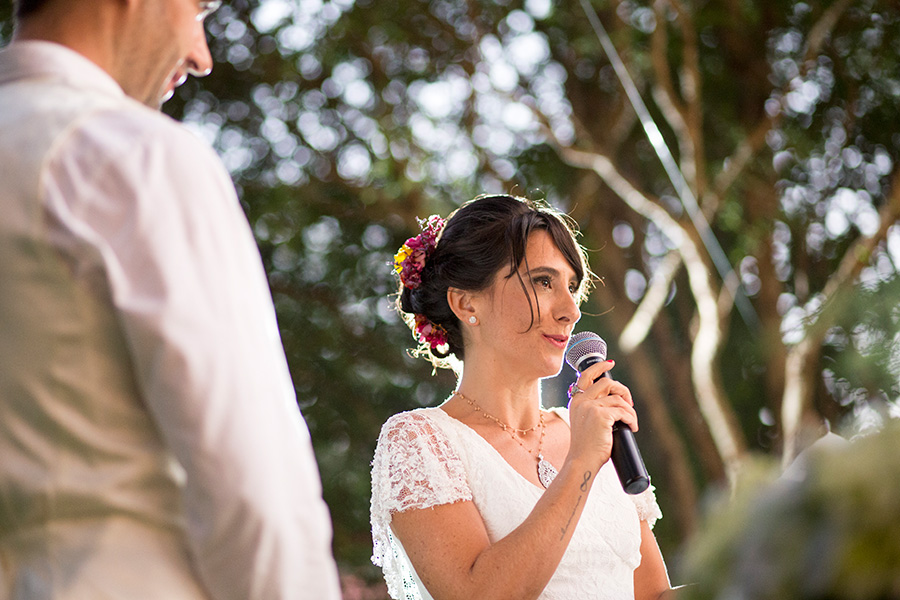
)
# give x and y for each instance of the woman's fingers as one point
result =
(615, 407)
(596, 371)
(593, 382)
(603, 386)
(593, 388)
(592, 418)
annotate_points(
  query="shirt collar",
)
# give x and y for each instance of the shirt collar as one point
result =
(30, 59)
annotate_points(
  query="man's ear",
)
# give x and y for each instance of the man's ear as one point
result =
(460, 302)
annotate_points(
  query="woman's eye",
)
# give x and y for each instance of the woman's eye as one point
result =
(542, 281)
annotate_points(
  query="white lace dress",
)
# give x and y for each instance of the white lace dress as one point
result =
(426, 458)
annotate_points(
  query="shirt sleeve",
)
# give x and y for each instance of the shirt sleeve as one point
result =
(157, 217)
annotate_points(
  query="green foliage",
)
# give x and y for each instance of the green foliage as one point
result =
(862, 353)
(833, 534)
(5, 22)
(328, 262)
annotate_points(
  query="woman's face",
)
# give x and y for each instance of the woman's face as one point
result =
(507, 331)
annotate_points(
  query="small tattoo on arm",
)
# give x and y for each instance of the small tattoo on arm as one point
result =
(583, 487)
(587, 478)
(571, 516)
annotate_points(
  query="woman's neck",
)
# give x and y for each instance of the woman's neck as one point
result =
(511, 400)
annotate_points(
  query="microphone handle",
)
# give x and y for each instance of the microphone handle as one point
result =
(627, 459)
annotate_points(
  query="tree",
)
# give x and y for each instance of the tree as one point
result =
(343, 121)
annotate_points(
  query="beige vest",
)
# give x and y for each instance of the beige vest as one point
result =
(89, 496)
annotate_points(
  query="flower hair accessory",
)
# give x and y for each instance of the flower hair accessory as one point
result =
(408, 264)
(431, 333)
(410, 259)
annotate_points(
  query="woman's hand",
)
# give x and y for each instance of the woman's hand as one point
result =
(596, 404)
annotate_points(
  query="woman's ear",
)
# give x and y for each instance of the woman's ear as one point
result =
(460, 302)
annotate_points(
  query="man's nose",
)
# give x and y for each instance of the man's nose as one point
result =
(199, 61)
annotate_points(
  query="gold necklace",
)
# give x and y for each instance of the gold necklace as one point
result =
(546, 471)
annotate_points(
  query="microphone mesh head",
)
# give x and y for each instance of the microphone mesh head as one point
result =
(582, 345)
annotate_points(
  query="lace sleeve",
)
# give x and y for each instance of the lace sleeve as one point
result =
(647, 508)
(414, 467)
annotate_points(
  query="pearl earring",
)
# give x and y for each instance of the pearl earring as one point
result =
(473, 319)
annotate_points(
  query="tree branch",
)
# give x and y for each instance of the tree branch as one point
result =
(707, 339)
(654, 299)
(682, 116)
(734, 165)
(669, 101)
(798, 385)
(691, 91)
(821, 29)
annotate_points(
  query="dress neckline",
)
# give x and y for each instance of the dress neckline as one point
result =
(557, 410)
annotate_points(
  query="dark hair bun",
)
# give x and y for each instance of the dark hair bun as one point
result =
(483, 236)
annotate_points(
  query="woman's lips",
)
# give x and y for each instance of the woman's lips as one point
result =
(559, 341)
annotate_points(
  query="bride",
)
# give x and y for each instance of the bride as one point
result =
(490, 495)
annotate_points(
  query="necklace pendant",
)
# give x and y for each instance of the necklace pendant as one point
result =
(546, 472)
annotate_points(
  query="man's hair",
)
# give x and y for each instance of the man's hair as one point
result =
(24, 8)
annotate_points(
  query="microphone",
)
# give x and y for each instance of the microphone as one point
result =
(588, 348)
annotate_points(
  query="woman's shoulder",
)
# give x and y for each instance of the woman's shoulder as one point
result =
(416, 418)
(414, 414)
(418, 427)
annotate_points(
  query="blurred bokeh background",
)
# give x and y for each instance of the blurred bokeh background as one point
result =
(749, 287)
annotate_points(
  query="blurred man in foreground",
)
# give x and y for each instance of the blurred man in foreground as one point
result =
(150, 441)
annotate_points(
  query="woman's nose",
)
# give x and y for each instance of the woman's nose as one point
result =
(567, 310)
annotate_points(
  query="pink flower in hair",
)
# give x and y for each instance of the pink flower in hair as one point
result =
(431, 333)
(410, 259)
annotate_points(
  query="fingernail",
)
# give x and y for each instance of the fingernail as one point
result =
(610, 360)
